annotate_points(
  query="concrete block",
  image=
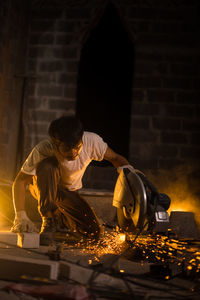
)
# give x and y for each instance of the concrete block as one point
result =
(125, 266)
(8, 239)
(120, 264)
(28, 240)
(75, 272)
(183, 224)
(23, 240)
(15, 267)
(82, 274)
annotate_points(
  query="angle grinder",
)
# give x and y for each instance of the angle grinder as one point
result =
(139, 205)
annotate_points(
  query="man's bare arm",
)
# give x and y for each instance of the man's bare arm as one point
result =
(116, 159)
(19, 190)
(21, 223)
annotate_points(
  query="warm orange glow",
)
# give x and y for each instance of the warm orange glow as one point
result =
(181, 188)
(189, 205)
(6, 205)
(2, 221)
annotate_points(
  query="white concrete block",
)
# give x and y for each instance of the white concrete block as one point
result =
(123, 265)
(28, 240)
(23, 240)
(8, 239)
(183, 224)
(82, 275)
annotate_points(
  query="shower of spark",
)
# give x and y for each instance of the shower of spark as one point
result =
(149, 248)
(112, 243)
(165, 250)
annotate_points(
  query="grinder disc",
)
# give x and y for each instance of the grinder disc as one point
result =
(130, 198)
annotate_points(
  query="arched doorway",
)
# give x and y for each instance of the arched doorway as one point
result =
(105, 81)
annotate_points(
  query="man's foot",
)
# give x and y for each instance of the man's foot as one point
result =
(52, 232)
(47, 231)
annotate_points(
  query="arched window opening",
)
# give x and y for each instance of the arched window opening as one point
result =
(105, 82)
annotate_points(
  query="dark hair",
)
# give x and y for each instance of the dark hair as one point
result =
(66, 129)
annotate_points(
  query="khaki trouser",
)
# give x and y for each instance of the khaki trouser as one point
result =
(69, 209)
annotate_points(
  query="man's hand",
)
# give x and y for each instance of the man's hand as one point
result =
(131, 168)
(22, 223)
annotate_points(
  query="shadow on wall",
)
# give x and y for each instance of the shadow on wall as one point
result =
(181, 184)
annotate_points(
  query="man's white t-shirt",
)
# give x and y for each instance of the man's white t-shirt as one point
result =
(72, 171)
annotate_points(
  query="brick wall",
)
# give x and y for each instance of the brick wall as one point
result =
(165, 98)
(54, 51)
(13, 31)
(165, 91)
(165, 111)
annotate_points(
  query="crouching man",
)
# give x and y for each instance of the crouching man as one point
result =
(53, 172)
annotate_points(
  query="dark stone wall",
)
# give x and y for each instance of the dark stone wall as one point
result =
(13, 41)
(165, 111)
(165, 91)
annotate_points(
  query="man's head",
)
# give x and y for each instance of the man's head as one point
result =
(66, 134)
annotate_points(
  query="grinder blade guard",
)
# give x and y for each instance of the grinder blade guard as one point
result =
(138, 203)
